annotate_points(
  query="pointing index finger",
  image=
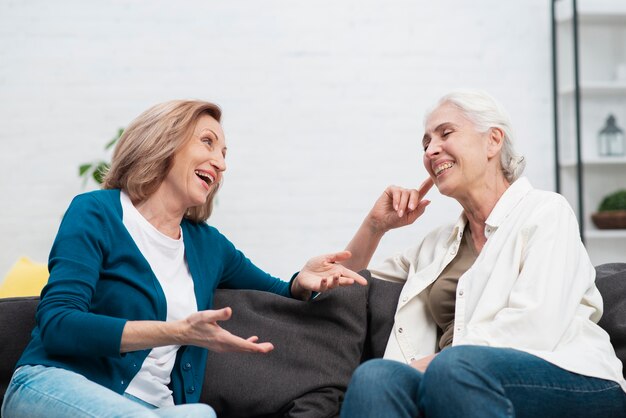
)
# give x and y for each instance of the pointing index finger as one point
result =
(426, 186)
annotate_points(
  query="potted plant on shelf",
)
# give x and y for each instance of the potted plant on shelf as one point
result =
(611, 213)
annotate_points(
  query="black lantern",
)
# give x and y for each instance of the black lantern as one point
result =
(611, 139)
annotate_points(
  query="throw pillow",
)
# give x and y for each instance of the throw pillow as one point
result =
(382, 302)
(317, 346)
(25, 278)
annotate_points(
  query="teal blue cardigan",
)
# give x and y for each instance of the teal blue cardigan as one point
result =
(99, 280)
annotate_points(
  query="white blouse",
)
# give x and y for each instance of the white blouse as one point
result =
(532, 288)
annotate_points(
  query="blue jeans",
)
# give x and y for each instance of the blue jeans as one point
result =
(472, 381)
(40, 391)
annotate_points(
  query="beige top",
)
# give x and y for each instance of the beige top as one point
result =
(442, 293)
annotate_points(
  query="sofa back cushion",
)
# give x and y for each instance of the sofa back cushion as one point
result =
(382, 300)
(17, 320)
(611, 281)
(318, 344)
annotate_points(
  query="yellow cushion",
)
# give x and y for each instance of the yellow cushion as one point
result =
(25, 278)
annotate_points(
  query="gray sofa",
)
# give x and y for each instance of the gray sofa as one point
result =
(318, 344)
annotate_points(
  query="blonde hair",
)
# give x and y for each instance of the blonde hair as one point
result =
(485, 112)
(145, 152)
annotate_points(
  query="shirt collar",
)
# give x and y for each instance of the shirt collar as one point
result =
(457, 229)
(508, 201)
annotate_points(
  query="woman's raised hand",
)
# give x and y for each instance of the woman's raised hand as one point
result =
(201, 329)
(398, 207)
(324, 272)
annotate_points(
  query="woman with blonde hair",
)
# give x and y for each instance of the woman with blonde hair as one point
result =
(498, 313)
(125, 321)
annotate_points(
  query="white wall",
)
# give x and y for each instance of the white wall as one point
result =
(323, 104)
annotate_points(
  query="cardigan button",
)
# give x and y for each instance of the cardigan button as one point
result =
(187, 366)
(400, 330)
(191, 389)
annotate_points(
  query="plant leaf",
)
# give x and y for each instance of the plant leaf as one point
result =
(113, 141)
(83, 168)
(614, 201)
(100, 171)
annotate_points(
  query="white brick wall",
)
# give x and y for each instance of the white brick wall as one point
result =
(323, 104)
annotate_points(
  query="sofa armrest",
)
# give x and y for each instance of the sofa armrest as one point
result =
(611, 281)
(17, 320)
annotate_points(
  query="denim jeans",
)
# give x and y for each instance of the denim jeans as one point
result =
(472, 381)
(40, 391)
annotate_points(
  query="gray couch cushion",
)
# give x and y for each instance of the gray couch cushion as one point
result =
(17, 320)
(382, 300)
(318, 344)
(611, 281)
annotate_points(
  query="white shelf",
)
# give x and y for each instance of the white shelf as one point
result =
(593, 11)
(597, 161)
(597, 88)
(605, 233)
(601, 41)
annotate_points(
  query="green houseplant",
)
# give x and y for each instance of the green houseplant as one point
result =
(611, 213)
(97, 169)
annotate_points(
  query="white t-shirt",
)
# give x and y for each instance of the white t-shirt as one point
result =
(166, 257)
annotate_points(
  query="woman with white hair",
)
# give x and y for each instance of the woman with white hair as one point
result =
(498, 313)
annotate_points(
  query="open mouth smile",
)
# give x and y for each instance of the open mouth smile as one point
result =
(442, 167)
(208, 178)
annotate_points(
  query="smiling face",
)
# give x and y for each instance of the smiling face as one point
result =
(199, 165)
(456, 155)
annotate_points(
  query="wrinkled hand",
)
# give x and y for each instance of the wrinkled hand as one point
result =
(398, 206)
(322, 273)
(422, 363)
(202, 330)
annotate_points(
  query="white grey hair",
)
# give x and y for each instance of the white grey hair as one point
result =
(486, 113)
